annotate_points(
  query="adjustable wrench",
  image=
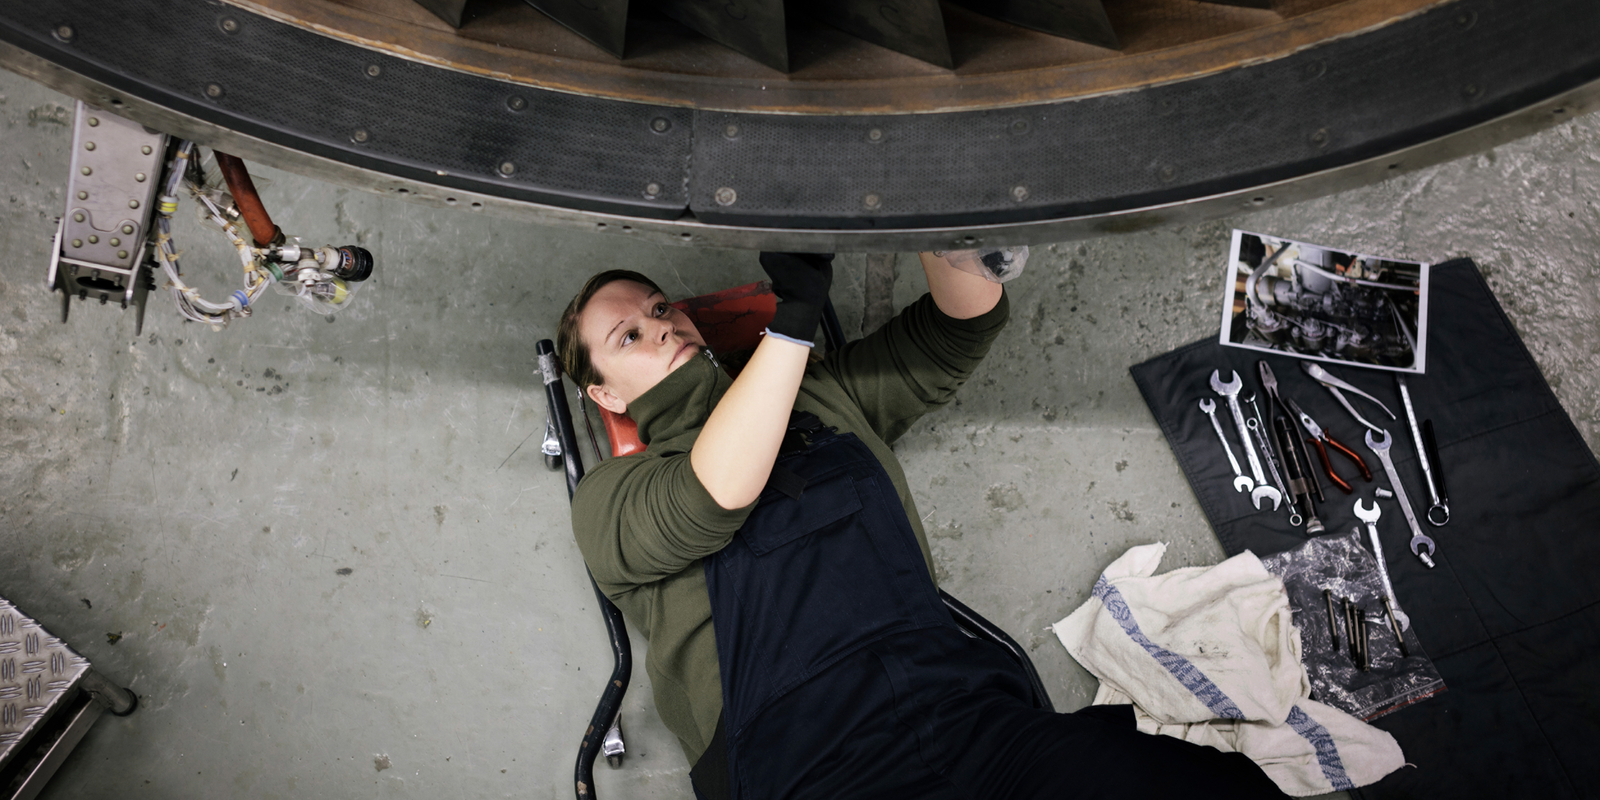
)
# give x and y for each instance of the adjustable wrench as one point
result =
(1258, 426)
(1241, 482)
(1230, 390)
(1370, 517)
(1419, 540)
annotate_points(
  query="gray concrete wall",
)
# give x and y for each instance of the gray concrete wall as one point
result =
(199, 492)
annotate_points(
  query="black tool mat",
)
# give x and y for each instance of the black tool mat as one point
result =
(1510, 614)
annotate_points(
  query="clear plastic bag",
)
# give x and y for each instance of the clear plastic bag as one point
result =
(998, 264)
(1339, 563)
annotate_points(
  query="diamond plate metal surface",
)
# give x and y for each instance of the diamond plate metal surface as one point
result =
(37, 672)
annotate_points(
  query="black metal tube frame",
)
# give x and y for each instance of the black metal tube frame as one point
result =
(616, 629)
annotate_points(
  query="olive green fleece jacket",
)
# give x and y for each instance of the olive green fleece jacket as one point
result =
(644, 522)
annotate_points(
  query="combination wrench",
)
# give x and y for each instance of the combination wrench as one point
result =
(1258, 426)
(1241, 482)
(1419, 540)
(1439, 512)
(1369, 515)
(1230, 390)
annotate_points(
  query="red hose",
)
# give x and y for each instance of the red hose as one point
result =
(249, 203)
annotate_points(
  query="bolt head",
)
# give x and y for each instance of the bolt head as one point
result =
(726, 196)
(1019, 126)
(875, 135)
(1167, 173)
(872, 200)
(660, 124)
(1019, 193)
(127, 229)
(87, 171)
(83, 195)
(122, 254)
(145, 150)
(1320, 137)
(115, 242)
(373, 70)
(133, 204)
(94, 122)
(359, 135)
(213, 90)
(507, 168)
(140, 177)
(732, 131)
(88, 145)
(229, 25)
(77, 242)
(94, 240)
(652, 189)
(78, 217)
(516, 102)
(65, 33)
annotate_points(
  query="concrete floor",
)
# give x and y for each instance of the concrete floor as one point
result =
(205, 490)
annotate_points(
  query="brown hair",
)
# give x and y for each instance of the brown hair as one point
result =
(575, 361)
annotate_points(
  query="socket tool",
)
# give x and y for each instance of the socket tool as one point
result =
(1369, 515)
(1230, 390)
(1321, 440)
(1421, 546)
(1333, 385)
(1241, 482)
(1431, 453)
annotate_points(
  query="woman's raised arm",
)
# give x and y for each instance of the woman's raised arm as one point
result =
(736, 449)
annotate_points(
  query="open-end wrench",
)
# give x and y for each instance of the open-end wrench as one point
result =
(1370, 515)
(1241, 482)
(1230, 390)
(1258, 426)
(1422, 546)
(1439, 512)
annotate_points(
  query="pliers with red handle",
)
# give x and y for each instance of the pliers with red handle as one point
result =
(1322, 440)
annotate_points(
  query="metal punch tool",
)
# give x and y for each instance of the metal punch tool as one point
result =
(1333, 385)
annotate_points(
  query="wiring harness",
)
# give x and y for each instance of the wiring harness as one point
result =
(321, 277)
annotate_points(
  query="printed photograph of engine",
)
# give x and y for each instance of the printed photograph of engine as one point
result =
(1324, 304)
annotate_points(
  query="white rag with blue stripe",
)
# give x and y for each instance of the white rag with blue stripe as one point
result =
(1211, 655)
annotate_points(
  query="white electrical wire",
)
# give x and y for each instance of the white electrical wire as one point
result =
(190, 304)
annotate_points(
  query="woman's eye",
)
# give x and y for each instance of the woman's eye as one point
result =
(661, 309)
(627, 338)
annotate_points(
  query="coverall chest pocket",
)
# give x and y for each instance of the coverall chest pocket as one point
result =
(808, 581)
(775, 524)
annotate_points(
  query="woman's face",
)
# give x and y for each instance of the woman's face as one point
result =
(635, 339)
